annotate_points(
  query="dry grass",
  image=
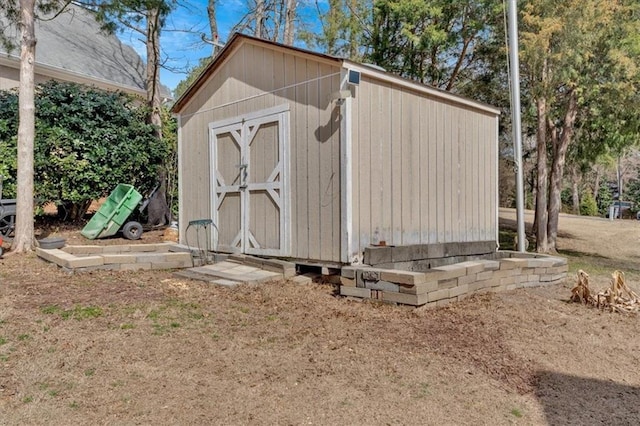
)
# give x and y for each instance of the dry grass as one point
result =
(146, 347)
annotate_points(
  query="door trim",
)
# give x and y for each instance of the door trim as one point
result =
(278, 114)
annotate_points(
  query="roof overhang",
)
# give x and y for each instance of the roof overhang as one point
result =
(61, 74)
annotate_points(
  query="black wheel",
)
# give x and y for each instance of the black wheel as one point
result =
(1, 251)
(7, 224)
(132, 230)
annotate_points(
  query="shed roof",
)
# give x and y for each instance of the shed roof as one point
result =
(374, 72)
(74, 46)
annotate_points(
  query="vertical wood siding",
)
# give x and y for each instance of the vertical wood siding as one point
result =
(314, 139)
(424, 169)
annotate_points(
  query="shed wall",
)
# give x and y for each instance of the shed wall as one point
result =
(424, 169)
(253, 78)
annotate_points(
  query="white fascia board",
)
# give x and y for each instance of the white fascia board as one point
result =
(420, 88)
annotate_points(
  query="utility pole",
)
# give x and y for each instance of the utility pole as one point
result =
(516, 122)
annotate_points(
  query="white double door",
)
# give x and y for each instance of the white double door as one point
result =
(249, 184)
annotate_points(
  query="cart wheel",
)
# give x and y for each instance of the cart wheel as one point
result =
(1, 251)
(132, 230)
(6, 224)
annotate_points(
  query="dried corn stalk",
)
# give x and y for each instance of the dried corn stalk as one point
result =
(617, 298)
(581, 292)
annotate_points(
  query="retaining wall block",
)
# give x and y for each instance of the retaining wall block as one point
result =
(467, 279)
(83, 249)
(349, 282)
(57, 256)
(436, 295)
(80, 262)
(472, 266)
(144, 248)
(419, 288)
(349, 272)
(119, 258)
(150, 258)
(355, 292)
(448, 283)
(370, 275)
(116, 249)
(486, 275)
(540, 262)
(507, 281)
(404, 298)
(167, 265)
(533, 278)
(551, 277)
(382, 286)
(402, 277)
(491, 265)
(459, 290)
(478, 285)
(512, 263)
(446, 272)
(559, 261)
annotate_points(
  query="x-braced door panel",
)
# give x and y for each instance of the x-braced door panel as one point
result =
(227, 178)
(253, 207)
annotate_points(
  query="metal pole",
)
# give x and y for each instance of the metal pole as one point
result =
(516, 120)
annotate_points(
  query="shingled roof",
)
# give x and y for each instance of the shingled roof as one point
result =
(73, 47)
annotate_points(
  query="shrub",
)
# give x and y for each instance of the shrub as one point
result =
(87, 141)
(588, 205)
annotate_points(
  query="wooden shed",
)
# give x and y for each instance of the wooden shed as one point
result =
(312, 157)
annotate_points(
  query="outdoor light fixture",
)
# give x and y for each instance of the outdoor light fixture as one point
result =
(354, 77)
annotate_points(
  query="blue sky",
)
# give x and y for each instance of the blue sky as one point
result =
(181, 41)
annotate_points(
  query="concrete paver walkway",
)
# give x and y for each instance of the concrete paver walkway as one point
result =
(229, 273)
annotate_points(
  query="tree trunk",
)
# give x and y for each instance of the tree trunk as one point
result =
(213, 25)
(596, 185)
(557, 169)
(259, 31)
(24, 240)
(542, 217)
(289, 17)
(575, 195)
(153, 70)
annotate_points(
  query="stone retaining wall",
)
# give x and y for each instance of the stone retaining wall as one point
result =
(444, 284)
(118, 257)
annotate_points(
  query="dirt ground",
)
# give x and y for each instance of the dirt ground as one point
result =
(148, 348)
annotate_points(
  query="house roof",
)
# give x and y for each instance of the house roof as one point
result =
(366, 69)
(72, 47)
